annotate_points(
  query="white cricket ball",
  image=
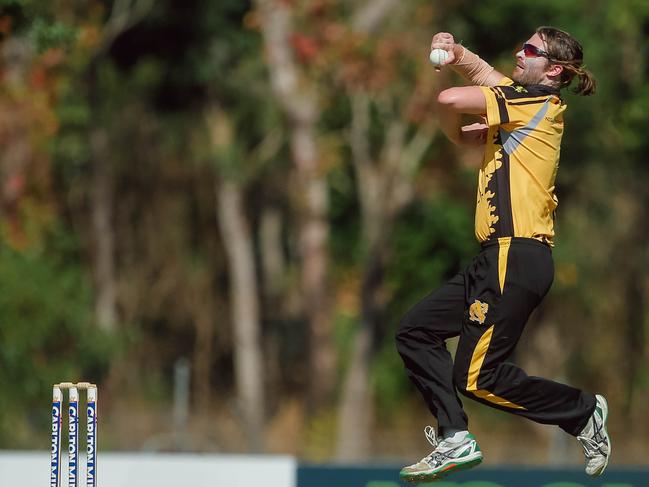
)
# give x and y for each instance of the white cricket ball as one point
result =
(438, 56)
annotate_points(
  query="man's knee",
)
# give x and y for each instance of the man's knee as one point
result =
(414, 334)
(405, 334)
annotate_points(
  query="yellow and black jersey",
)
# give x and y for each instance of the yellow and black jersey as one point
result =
(516, 181)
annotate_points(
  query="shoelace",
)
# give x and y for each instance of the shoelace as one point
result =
(591, 445)
(429, 431)
(431, 436)
(435, 457)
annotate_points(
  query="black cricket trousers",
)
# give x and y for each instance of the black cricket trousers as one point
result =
(487, 305)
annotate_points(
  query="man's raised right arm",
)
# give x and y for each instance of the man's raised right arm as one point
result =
(464, 62)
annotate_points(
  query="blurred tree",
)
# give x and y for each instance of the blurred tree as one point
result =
(297, 95)
(236, 234)
(46, 300)
(122, 17)
(389, 134)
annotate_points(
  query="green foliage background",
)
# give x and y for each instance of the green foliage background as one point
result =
(148, 92)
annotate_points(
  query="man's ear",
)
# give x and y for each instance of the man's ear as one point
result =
(554, 70)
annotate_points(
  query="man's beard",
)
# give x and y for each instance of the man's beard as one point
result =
(528, 77)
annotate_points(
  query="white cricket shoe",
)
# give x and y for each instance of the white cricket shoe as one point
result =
(595, 441)
(449, 455)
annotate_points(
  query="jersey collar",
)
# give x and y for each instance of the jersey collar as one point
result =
(540, 90)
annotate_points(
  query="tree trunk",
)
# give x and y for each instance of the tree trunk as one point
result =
(123, 16)
(103, 231)
(244, 298)
(272, 256)
(313, 237)
(297, 97)
(356, 408)
(384, 187)
(203, 352)
(634, 333)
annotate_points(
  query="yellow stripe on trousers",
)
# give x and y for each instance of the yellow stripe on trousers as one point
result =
(480, 351)
(477, 359)
(503, 253)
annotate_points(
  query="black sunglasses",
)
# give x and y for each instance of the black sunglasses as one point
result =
(531, 50)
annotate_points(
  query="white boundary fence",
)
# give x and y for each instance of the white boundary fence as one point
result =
(31, 469)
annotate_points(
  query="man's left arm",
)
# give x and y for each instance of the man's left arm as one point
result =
(454, 102)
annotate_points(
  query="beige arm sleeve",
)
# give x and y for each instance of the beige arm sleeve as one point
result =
(473, 68)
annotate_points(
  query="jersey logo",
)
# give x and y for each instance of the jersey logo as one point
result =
(520, 89)
(478, 311)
